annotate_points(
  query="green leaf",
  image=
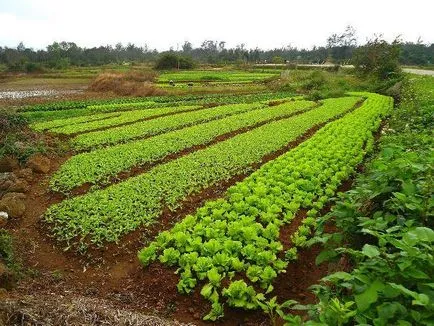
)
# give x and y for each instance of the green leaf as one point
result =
(369, 296)
(419, 234)
(338, 276)
(408, 188)
(325, 255)
(370, 251)
(206, 291)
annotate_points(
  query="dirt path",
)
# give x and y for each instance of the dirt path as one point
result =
(419, 71)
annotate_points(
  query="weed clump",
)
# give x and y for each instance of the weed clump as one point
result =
(129, 84)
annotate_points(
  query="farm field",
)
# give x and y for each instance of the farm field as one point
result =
(216, 77)
(223, 208)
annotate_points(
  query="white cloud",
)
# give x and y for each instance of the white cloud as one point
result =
(162, 24)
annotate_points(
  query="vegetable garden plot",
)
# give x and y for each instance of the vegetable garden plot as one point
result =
(99, 165)
(156, 126)
(105, 215)
(240, 232)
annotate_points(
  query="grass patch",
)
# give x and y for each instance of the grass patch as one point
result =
(7, 256)
(14, 141)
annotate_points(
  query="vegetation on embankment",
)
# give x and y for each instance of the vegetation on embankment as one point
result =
(385, 228)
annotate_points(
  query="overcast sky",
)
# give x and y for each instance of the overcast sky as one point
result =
(164, 23)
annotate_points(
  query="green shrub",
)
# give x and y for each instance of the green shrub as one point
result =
(10, 121)
(7, 256)
(314, 81)
(33, 67)
(378, 58)
(173, 61)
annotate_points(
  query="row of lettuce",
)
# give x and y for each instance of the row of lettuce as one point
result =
(103, 120)
(106, 215)
(60, 110)
(231, 247)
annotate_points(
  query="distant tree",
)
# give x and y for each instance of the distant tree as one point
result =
(342, 45)
(173, 61)
(277, 59)
(378, 58)
(62, 54)
(187, 47)
(417, 53)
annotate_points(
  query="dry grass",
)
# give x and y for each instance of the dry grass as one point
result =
(58, 310)
(126, 84)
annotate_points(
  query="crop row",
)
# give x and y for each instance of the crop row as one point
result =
(83, 113)
(37, 115)
(101, 104)
(46, 125)
(82, 104)
(99, 165)
(202, 100)
(156, 126)
(122, 118)
(105, 215)
(240, 232)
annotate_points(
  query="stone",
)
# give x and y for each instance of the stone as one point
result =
(5, 185)
(6, 180)
(3, 219)
(20, 185)
(196, 315)
(39, 163)
(8, 164)
(13, 204)
(26, 174)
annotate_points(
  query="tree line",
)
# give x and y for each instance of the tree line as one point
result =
(339, 50)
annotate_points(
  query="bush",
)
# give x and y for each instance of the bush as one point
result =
(14, 139)
(173, 61)
(33, 67)
(277, 60)
(10, 121)
(314, 81)
(378, 58)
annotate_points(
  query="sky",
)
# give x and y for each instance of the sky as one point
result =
(162, 24)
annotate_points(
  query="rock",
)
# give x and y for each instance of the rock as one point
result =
(3, 293)
(39, 163)
(5, 185)
(20, 185)
(13, 204)
(3, 219)
(196, 315)
(26, 174)
(6, 180)
(8, 164)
